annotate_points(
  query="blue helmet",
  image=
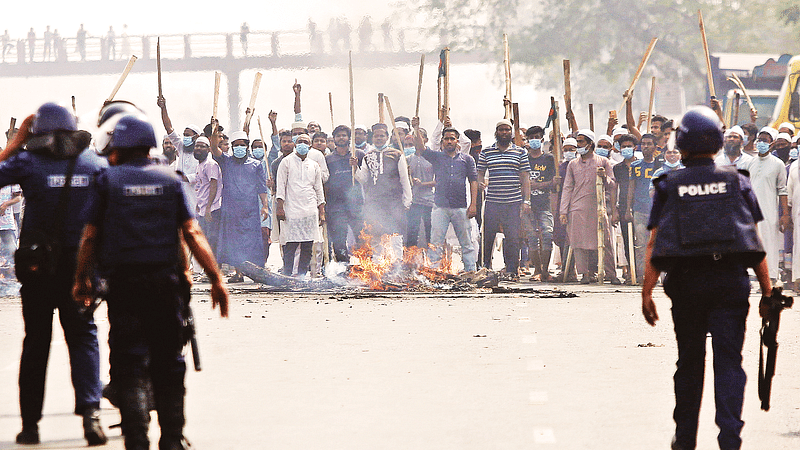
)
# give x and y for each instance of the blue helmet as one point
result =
(700, 131)
(114, 108)
(51, 117)
(133, 131)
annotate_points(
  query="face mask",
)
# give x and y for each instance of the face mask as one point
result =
(302, 149)
(569, 156)
(793, 153)
(626, 152)
(616, 146)
(294, 138)
(616, 157)
(200, 155)
(361, 145)
(239, 151)
(383, 146)
(638, 155)
(535, 143)
(671, 165)
(602, 151)
(258, 152)
(409, 150)
(762, 147)
(582, 151)
(187, 141)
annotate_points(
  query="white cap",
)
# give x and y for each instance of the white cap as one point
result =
(504, 122)
(401, 124)
(784, 136)
(735, 129)
(202, 139)
(794, 139)
(787, 125)
(570, 141)
(236, 135)
(298, 125)
(587, 133)
(605, 137)
(770, 131)
(619, 131)
(194, 128)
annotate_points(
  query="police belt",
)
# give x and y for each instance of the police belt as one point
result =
(142, 270)
(709, 261)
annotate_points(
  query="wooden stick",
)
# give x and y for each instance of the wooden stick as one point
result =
(352, 116)
(591, 116)
(158, 64)
(381, 117)
(446, 87)
(11, 126)
(632, 254)
(253, 96)
(710, 75)
(395, 133)
(645, 58)
(261, 133)
(737, 98)
(556, 149)
(122, 78)
(567, 89)
(217, 79)
(567, 264)
(419, 84)
(652, 101)
(601, 212)
(740, 84)
(74, 109)
(517, 135)
(507, 64)
(330, 104)
(439, 99)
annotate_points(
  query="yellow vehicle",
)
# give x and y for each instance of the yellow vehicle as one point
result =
(787, 109)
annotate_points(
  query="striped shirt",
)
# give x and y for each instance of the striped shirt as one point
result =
(504, 168)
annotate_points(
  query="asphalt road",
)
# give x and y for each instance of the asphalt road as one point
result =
(448, 371)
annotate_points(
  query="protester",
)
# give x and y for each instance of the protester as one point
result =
(539, 223)
(642, 171)
(344, 201)
(422, 184)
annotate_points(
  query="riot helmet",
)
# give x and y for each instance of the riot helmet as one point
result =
(107, 121)
(51, 117)
(700, 131)
(133, 131)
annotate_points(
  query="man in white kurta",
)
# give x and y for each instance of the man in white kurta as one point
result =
(300, 207)
(768, 177)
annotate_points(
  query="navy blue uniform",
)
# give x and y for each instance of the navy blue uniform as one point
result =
(705, 241)
(138, 209)
(42, 178)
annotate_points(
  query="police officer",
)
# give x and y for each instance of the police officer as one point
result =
(136, 219)
(51, 230)
(703, 235)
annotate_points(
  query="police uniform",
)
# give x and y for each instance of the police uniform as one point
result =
(42, 176)
(706, 238)
(138, 209)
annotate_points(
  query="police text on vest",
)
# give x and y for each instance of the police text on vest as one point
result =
(143, 190)
(703, 189)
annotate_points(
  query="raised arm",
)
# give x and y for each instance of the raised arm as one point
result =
(162, 104)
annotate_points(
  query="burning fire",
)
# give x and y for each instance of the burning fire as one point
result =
(384, 270)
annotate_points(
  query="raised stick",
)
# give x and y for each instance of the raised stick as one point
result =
(217, 76)
(352, 115)
(253, 96)
(517, 135)
(158, 64)
(591, 116)
(507, 65)
(419, 84)
(381, 117)
(122, 78)
(330, 104)
(652, 101)
(439, 99)
(736, 110)
(395, 133)
(736, 80)
(74, 109)
(11, 126)
(567, 91)
(711, 89)
(446, 94)
(638, 74)
(261, 132)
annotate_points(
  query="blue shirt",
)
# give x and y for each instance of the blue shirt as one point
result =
(451, 174)
(341, 193)
(41, 178)
(640, 175)
(504, 168)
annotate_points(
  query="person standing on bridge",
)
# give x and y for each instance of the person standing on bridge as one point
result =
(111, 44)
(31, 42)
(80, 43)
(243, 32)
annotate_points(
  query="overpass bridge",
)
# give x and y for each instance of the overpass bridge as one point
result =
(228, 53)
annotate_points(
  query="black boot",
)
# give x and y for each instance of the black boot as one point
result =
(171, 419)
(92, 430)
(29, 435)
(135, 414)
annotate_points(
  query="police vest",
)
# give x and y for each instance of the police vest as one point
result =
(140, 221)
(705, 217)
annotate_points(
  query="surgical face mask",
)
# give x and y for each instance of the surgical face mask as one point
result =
(762, 147)
(582, 151)
(793, 153)
(294, 138)
(626, 152)
(601, 151)
(616, 146)
(409, 150)
(302, 149)
(569, 156)
(638, 155)
(239, 151)
(187, 141)
(616, 157)
(671, 165)
(382, 147)
(361, 145)
(535, 143)
(258, 152)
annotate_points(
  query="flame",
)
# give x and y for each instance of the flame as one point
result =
(381, 269)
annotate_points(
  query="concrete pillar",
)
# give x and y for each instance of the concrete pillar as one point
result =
(229, 46)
